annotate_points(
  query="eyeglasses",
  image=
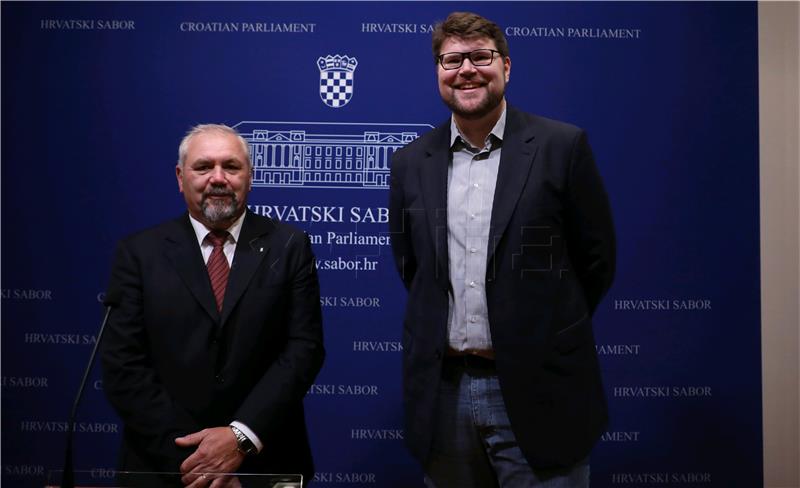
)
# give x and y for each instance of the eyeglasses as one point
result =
(478, 57)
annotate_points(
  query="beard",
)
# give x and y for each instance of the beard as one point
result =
(217, 211)
(489, 102)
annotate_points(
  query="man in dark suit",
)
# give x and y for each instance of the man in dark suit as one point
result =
(217, 331)
(502, 234)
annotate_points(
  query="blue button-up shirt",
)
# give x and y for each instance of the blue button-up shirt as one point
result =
(471, 181)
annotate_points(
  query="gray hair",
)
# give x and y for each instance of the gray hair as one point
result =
(204, 128)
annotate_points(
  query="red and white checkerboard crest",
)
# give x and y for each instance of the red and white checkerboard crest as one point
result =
(336, 79)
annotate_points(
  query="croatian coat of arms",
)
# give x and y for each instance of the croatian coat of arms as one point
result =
(336, 79)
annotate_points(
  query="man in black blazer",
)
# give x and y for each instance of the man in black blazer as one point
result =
(502, 234)
(217, 331)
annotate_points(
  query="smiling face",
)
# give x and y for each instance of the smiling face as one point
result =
(215, 178)
(473, 92)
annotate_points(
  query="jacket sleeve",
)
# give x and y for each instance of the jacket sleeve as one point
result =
(399, 224)
(131, 384)
(590, 231)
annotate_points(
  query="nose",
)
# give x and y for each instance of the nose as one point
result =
(217, 175)
(467, 66)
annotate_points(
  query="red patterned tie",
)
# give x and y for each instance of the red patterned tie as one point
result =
(217, 265)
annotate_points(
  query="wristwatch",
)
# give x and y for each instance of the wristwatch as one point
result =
(244, 444)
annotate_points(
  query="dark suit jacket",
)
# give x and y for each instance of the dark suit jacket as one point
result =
(550, 261)
(173, 365)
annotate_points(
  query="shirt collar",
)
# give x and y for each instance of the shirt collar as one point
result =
(498, 130)
(201, 231)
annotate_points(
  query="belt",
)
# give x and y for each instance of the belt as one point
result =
(469, 361)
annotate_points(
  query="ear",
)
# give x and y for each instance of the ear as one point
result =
(507, 68)
(178, 174)
(250, 180)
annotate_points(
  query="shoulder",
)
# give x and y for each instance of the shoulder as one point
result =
(427, 142)
(282, 228)
(158, 232)
(542, 127)
(277, 230)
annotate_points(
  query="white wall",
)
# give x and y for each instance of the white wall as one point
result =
(779, 87)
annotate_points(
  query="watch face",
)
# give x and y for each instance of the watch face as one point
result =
(248, 447)
(244, 444)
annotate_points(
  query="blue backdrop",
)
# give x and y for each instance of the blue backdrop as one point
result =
(96, 96)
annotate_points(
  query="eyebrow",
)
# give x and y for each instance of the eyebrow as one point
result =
(211, 161)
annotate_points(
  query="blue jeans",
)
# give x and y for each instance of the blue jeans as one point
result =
(473, 445)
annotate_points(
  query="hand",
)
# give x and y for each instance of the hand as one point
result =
(216, 453)
(216, 481)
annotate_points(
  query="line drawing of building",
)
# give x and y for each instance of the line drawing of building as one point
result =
(324, 154)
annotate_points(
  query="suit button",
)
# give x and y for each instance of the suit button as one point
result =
(219, 379)
(438, 354)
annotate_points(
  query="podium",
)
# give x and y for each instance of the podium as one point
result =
(107, 478)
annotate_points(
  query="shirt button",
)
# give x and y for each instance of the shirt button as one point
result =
(473, 250)
(475, 185)
(472, 284)
(473, 319)
(472, 216)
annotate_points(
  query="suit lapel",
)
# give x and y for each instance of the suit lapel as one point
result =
(183, 252)
(433, 181)
(516, 159)
(251, 248)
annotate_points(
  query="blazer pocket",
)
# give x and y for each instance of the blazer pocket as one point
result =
(572, 336)
(273, 281)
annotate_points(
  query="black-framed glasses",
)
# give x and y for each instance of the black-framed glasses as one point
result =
(478, 57)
